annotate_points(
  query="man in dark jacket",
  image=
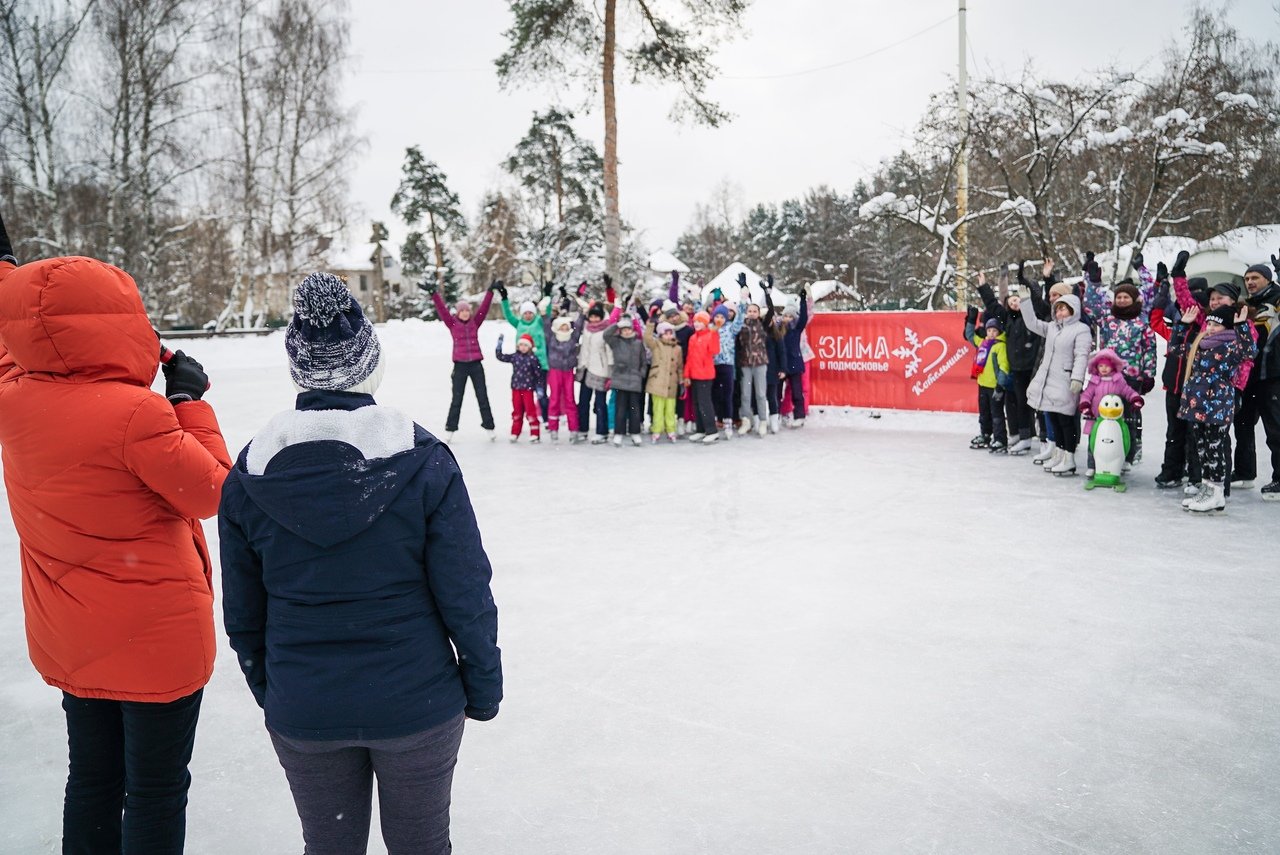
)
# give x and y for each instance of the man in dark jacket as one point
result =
(356, 592)
(1260, 399)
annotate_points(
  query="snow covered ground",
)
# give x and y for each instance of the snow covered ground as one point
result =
(859, 637)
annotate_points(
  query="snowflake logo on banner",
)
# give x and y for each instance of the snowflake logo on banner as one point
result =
(911, 354)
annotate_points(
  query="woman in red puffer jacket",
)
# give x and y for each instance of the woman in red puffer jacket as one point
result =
(107, 482)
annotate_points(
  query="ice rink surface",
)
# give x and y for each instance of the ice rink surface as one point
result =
(859, 637)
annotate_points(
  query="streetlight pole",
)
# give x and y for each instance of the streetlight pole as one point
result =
(962, 169)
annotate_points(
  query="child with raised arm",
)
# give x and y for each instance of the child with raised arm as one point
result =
(666, 368)
(525, 375)
(628, 378)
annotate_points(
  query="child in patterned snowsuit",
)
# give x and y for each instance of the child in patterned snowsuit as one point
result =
(1208, 396)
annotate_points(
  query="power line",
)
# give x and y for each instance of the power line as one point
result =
(843, 62)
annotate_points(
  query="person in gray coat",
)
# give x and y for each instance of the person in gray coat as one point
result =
(1055, 388)
(629, 361)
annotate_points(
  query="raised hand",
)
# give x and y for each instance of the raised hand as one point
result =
(1190, 315)
(1162, 271)
(1242, 314)
(1179, 270)
(1137, 261)
(546, 288)
(1047, 270)
(428, 284)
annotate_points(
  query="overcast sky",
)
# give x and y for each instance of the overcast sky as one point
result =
(424, 76)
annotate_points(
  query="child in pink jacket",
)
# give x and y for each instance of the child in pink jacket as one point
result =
(1106, 377)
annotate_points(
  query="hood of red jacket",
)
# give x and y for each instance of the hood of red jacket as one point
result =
(77, 318)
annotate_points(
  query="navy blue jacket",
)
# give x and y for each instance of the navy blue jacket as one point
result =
(794, 359)
(355, 588)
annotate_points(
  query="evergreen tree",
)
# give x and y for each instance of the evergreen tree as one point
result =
(424, 196)
(570, 39)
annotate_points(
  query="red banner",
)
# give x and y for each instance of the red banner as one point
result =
(893, 360)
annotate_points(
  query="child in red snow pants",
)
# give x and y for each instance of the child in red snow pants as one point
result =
(562, 403)
(523, 405)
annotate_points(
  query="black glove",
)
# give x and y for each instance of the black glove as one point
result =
(184, 379)
(742, 280)
(480, 713)
(502, 290)
(1160, 299)
(1275, 259)
(564, 293)
(1162, 272)
(1022, 277)
(428, 285)
(6, 248)
(1136, 261)
(608, 281)
(1179, 270)
(768, 281)
(971, 316)
(546, 288)
(998, 395)
(495, 285)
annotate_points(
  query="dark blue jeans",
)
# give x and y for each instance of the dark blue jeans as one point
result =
(128, 779)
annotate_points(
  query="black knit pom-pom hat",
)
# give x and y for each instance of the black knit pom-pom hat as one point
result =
(331, 345)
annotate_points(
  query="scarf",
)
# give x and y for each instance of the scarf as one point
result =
(980, 358)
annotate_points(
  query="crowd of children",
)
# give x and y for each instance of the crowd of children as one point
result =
(1052, 357)
(709, 369)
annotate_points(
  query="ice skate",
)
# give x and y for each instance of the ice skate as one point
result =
(1192, 492)
(671, 437)
(1054, 459)
(617, 440)
(1192, 489)
(1164, 481)
(775, 423)
(535, 439)
(637, 441)
(1210, 500)
(710, 438)
(493, 435)
(555, 437)
(1020, 447)
(998, 447)
(1271, 492)
(980, 441)
(1243, 484)
(1066, 466)
(599, 440)
(762, 428)
(696, 437)
(515, 438)
(1047, 450)
(745, 428)
(797, 423)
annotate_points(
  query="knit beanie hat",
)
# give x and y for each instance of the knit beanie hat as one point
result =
(1224, 315)
(1262, 270)
(664, 328)
(668, 307)
(702, 318)
(1227, 289)
(1131, 290)
(722, 309)
(331, 345)
(528, 306)
(994, 324)
(462, 304)
(1060, 289)
(596, 311)
(525, 339)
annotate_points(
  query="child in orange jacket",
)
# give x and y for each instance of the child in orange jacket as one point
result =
(700, 374)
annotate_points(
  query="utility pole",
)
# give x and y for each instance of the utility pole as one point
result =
(962, 169)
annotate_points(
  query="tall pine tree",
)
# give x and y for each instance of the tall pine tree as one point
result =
(424, 197)
(671, 41)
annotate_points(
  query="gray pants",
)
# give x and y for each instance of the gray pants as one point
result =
(754, 379)
(332, 789)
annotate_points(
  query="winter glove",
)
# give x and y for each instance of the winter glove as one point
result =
(971, 316)
(6, 248)
(184, 379)
(1275, 259)
(564, 293)
(998, 395)
(675, 278)
(582, 288)
(480, 713)
(742, 280)
(428, 285)
(502, 290)
(654, 311)
(1138, 402)
(1022, 277)
(1084, 408)
(501, 336)
(1162, 272)
(1076, 387)
(495, 285)
(1179, 270)
(546, 288)
(716, 295)
(1136, 261)
(1092, 270)
(1147, 384)
(608, 281)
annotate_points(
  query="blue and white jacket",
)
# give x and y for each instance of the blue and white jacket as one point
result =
(355, 586)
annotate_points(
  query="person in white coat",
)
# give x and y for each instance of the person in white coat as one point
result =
(1055, 388)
